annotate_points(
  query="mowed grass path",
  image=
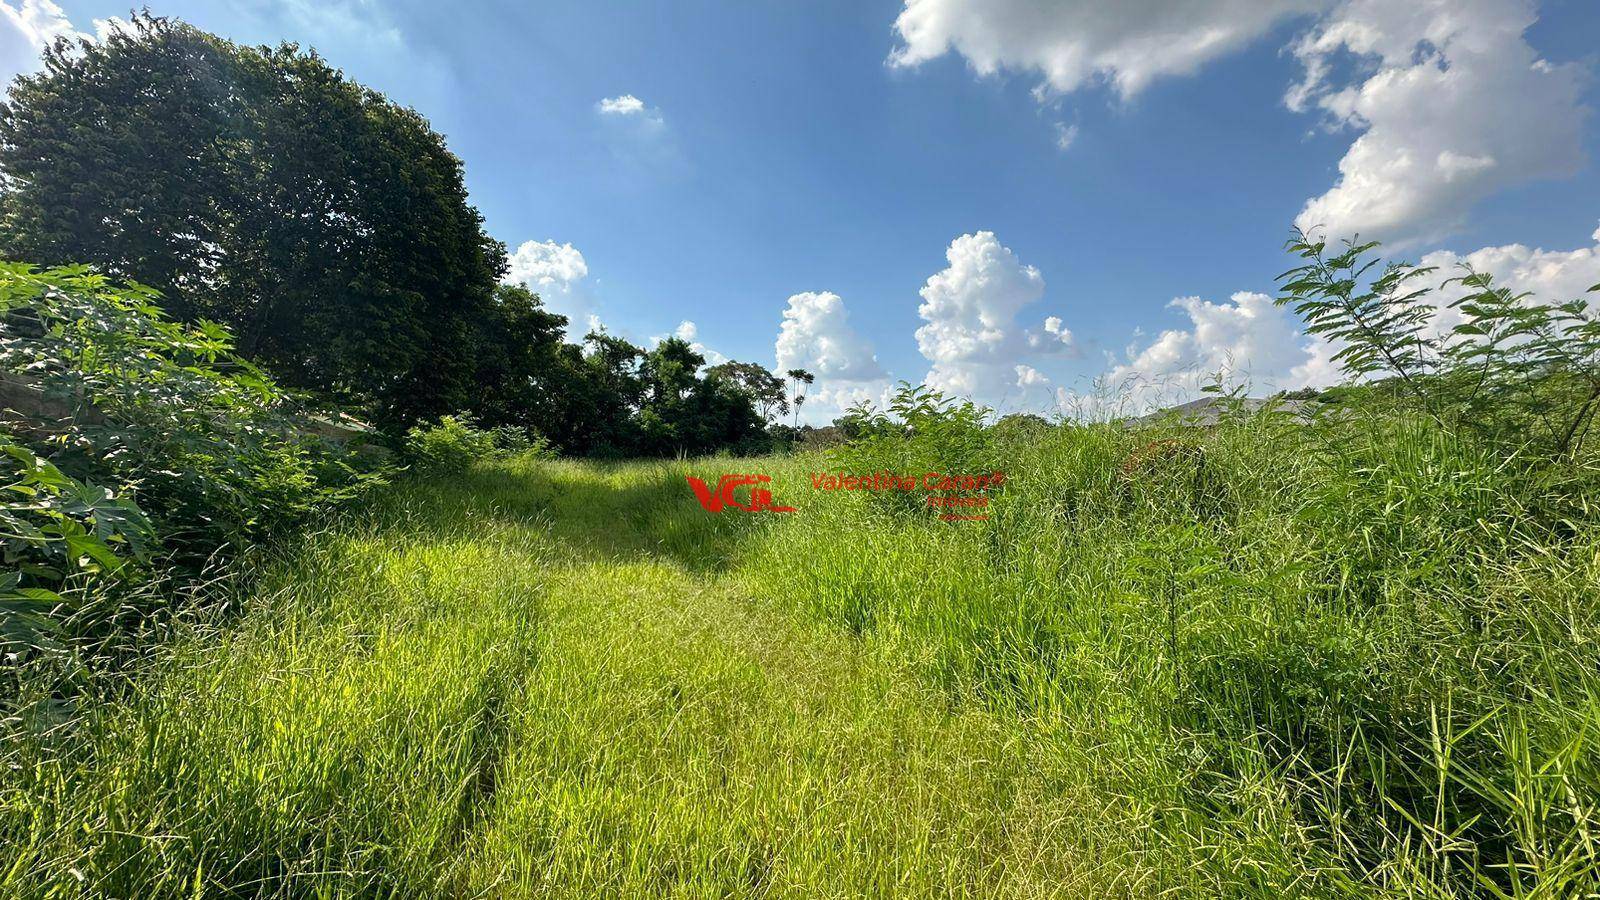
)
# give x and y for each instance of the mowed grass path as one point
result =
(541, 679)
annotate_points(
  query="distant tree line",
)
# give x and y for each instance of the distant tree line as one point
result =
(330, 229)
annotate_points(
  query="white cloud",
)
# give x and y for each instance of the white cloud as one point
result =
(646, 120)
(1247, 339)
(364, 27)
(1071, 43)
(971, 335)
(828, 401)
(689, 332)
(26, 28)
(1028, 376)
(816, 335)
(1453, 106)
(556, 272)
(1550, 276)
(1065, 135)
(546, 264)
(1054, 337)
(1449, 103)
(625, 105)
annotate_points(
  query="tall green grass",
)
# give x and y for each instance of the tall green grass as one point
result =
(1356, 658)
(537, 679)
(1361, 656)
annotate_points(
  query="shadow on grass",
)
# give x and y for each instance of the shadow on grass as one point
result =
(600, 511)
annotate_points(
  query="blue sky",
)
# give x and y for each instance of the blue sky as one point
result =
(833, 152)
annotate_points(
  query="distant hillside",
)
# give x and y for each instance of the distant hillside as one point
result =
(1209, 411)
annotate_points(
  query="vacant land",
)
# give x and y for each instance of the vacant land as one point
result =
(1180, 667)
(539, 678)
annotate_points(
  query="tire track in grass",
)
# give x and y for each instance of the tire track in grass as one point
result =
(530, 682)
(683, 739)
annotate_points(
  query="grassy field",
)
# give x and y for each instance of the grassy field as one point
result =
(1269, 661)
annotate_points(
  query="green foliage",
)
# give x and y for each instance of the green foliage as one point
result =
(1356, 655)
(1371, 670)
(161, 413)
(514, 441)
(528, 377)
(329, 229)
(921, 427)
(612, 397)
(325, 225)
(1379, 325)
(682, 414)
(57, 533)
(450, 446)
(1521, 373)
(799, 379)
(763, 388)
(454, 443)
(534, 680)
(1524, 368)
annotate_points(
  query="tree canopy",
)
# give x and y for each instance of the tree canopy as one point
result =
(329, 229)
(257, 187)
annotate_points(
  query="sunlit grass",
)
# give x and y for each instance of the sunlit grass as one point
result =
(535, 681)
(1332, 663)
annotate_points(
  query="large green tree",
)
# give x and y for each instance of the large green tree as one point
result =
(529, 377)
(763, 388)
(682, 413)
(259, 187)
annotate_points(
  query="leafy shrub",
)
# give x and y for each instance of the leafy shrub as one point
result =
(206, 443)
(516, 441)
(1521, 373)
(922, 431)
(450, 445)
(57, 532)
(136, 438)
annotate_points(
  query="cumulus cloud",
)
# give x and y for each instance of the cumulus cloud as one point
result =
(627, 108)
(556, 272)
(817, 335)
(971, 334)
(1251, 340)
(1447, 101)
(689, 333)
(1065, 135)
(1247, 339)
(828, 401)
(1028, 376)
(1055, 337)
(625, 105)
(1077, 42)
(1453, 106)
(1550, 276)
(26, 28)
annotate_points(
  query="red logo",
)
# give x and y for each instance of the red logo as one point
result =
(760, 498)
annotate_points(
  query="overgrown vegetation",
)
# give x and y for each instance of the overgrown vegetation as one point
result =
(1344, 658)
(454, 443)
(1352, 654)
(1350, 648)
(329, 229)
(1351, 657)
(145, 438)
(1518, 371)
(523, 681)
